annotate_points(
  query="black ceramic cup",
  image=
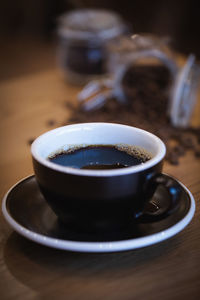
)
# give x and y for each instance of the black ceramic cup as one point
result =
(93, 200)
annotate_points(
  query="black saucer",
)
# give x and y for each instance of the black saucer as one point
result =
(27, 212)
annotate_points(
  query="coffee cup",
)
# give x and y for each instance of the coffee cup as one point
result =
(109, 199)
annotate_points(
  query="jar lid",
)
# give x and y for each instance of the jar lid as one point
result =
(184, 93)
(90, 24)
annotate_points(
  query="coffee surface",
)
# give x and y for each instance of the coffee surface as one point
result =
(100, 157)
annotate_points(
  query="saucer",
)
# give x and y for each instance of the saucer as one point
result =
(26, 210)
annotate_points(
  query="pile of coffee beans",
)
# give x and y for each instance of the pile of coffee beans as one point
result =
(147, 91)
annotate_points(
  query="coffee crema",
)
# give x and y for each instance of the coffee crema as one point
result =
(101, 157)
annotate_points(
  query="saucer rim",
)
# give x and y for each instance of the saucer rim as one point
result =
(104, 246)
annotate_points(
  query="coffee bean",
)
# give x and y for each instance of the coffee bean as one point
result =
(173, 158)
(51, 122)
(188, 140)
(179, 150)
(30, 141)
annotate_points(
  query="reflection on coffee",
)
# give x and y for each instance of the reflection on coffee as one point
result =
(101, 157)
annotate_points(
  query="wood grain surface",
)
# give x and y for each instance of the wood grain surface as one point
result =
(169, 270)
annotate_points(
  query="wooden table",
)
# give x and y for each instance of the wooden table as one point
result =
(169, 270)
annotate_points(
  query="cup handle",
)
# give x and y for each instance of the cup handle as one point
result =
(174, 190)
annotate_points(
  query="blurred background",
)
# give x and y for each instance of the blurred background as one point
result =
(28, 28)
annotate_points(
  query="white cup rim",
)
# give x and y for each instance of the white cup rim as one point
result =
(98, 173)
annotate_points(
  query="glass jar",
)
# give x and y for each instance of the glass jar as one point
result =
(144, 68)
(83, 37)
(141, 50)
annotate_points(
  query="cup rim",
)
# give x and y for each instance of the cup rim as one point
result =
(99, 173)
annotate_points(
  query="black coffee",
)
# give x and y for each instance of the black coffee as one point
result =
(101, 157)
